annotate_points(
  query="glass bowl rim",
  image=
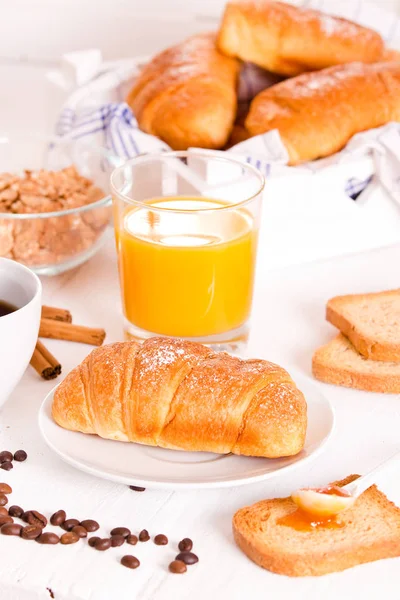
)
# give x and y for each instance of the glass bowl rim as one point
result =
(218, 155)
(105, 201)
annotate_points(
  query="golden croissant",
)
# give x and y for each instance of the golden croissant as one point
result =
(182, 395)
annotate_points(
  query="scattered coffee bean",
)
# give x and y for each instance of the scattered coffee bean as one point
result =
(5, 456)
(58, 517)
(4, 511)
(185, 545)
(130, 561)
(117, 540)
(15, 511)
(161, 540)
(187, 557)
(102, 544)
(136, 488)
(51, 593)
(144, 536)
(30, 532)
(93, 540)
(3, 499)
(90, 525)
(5, 519)
(132, 540)
(20, 456)
(48, 537)
(11, 529)
(79, 531)
(124, 531)
(6, 466)
(5, 488)
(69, 538)
(33, 517)
(177, 566)
(69, 524)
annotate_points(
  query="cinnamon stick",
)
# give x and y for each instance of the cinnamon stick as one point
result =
(60, 330)
(44, 362)
(57, 314)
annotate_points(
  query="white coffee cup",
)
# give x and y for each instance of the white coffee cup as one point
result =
(19, 330)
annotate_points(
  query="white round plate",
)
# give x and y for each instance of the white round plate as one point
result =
(135, 464)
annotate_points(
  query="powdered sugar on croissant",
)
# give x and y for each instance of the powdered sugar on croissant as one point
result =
(178, 394)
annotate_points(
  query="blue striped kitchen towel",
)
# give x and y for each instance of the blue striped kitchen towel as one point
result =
(96, 111)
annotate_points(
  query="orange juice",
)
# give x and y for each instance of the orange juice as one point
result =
(186, 268)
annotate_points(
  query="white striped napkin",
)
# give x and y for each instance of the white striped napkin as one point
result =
(95, 110)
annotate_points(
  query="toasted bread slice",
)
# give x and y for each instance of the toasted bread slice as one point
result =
(371, 532)
(339, 363)
(370, 321)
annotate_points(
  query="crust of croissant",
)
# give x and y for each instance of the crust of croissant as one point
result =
(290, 40)
(359, 96)
(371, 532)
(182, 395)
(187, 94)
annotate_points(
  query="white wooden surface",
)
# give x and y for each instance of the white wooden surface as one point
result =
(288, 325)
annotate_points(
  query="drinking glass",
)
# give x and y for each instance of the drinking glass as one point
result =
(186, 228)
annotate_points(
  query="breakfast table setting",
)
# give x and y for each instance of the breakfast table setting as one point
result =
(167, 433)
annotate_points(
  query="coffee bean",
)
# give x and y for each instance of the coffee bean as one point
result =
(5, 456)
(58, 517)
(185, 545)
(132, 540)
(69, 538)
(187, 557)
(161, 540)
(5, 519)
(90, 525)
(177, 566)
(69, 524)
(93, 540)
(117, 540)
(11, 529)
(20, 456)
(5, 488)
(102, 544)
(79, 531)
(130, 561)
(4, 511)
(30, 532)
(3, 499)
(6, 466)
(48, 537)
(144, 536)
(124, 531)
(33, 517)
(15, 511)
(136, 488)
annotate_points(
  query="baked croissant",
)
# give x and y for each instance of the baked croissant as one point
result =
(186, 95)
(317, 113)
(290, 40)
(181, 395)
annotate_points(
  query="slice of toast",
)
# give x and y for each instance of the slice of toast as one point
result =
(339, 363)
(371, 532)
(370, 321)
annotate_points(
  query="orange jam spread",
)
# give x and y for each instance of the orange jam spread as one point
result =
(332, 490)
(303, 521)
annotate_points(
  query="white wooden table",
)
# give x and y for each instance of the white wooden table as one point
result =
(288, 325)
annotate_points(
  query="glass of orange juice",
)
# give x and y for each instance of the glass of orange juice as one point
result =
(186, 228)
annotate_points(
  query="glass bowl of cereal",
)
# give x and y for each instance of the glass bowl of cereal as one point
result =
(55, 208)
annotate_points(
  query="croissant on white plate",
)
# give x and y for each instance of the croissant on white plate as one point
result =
(182, 395)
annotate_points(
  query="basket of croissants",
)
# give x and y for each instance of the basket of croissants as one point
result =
(336, 78)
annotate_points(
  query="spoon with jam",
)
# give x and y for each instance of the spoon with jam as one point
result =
(328, 502)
